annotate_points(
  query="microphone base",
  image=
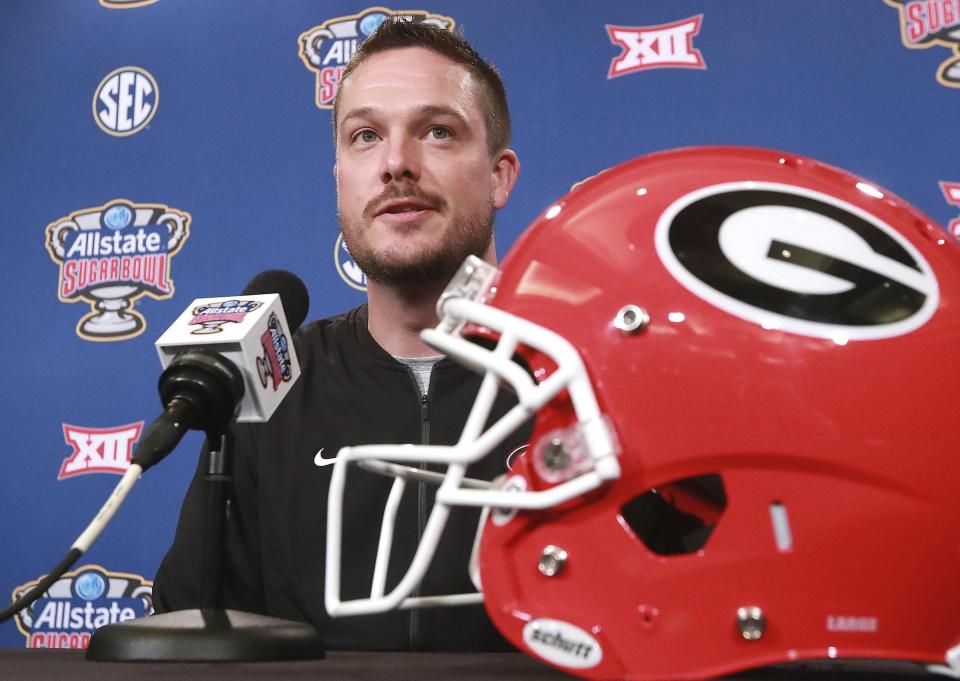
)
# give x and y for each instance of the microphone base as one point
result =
(206, 636)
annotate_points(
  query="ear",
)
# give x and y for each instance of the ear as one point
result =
(506, 168)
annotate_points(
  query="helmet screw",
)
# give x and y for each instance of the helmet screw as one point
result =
(555, 456)
(552, 560)
(751, 622)
(631, 319)
(648, 614)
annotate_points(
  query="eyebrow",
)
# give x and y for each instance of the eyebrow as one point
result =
(423, 111)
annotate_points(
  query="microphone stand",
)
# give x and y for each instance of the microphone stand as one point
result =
(210, 633)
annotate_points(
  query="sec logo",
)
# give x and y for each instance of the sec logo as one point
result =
(125, 101)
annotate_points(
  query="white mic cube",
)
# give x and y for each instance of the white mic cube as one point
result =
(249, 331)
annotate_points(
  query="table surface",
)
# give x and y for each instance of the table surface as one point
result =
(70, 665)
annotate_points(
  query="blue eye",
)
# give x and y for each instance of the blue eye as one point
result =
(366, 136)
(438, 132)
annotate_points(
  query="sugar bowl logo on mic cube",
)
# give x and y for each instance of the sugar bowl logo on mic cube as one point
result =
(251, 332)
(274, 367)
(326, 48)
(111, 255)
(211, 318)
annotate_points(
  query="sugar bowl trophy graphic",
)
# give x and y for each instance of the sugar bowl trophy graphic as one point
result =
(110, 256)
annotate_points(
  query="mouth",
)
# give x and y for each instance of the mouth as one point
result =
(404, 212)
(403, 207)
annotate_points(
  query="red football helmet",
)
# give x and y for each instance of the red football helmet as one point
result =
(743, 364)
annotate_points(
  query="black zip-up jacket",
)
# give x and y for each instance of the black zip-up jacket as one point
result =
(350, 392)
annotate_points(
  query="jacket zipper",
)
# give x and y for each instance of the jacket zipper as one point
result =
(421, 496)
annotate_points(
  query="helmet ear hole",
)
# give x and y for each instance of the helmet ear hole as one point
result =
(678, 517)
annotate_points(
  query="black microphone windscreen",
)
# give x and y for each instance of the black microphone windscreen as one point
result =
(292, 291)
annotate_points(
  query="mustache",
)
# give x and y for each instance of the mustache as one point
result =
(394, 192)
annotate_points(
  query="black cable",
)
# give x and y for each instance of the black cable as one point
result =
(36, 592)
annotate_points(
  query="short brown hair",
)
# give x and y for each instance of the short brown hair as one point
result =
(395, 33)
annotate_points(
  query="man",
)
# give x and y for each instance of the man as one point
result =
(422, 162)
(415, 189)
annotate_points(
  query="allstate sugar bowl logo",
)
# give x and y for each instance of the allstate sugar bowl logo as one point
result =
(925, 23)
(125, 101)
(111, 255)
(275, 366)
(210, 318)
(80, 602)
(326, 48)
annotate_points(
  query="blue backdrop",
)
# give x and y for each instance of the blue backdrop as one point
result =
(202, 124)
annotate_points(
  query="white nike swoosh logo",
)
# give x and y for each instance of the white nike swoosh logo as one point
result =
(321, 460)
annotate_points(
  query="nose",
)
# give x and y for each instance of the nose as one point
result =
(401, 160)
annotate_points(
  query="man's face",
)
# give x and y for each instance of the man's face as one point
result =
(416, 186)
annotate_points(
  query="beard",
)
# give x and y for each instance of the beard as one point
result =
(466, 235)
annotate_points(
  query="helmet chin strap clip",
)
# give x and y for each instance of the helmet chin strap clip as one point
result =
(475, 280)
(565, 453)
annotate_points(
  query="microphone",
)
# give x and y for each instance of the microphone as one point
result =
(222, 356)
(226, 358)
(292, 291)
